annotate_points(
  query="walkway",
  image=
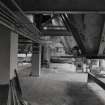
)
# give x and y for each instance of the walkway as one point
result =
(60, 88)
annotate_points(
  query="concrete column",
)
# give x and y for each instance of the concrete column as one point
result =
(13, 53)
(36, 60)
(42, 55)
(46, 55)
(102, 64)
(5, 36)
(8, 54)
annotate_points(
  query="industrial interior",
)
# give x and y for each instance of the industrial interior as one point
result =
(52, 52)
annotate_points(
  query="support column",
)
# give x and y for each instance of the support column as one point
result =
(46, 55)
(8, 55)
(102, 64)
(36, 60)
(13, 54)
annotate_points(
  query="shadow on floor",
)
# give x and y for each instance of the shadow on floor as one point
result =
(80, 94)
(3, 94)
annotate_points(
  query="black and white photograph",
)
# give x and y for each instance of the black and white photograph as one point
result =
(52, 52)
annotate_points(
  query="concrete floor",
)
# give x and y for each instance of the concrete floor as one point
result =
(60, 88)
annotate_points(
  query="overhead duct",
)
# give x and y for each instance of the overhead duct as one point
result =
(14, 18)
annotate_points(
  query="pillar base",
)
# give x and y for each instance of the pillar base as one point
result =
(34, 75)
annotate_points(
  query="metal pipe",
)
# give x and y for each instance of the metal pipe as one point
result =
(63, 12)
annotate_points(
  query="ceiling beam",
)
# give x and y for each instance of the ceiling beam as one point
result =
(102, 43)
(17, 21)
(70, 27)
(63, 12)
(55, 33)
(21, 42)
(65, 44)
(62, 5)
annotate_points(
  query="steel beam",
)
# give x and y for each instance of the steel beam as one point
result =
(55, 33)
(75, 33)
(17, 21)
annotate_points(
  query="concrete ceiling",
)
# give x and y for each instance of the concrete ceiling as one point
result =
(86, 28)
(62, 5)
(90, 27)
